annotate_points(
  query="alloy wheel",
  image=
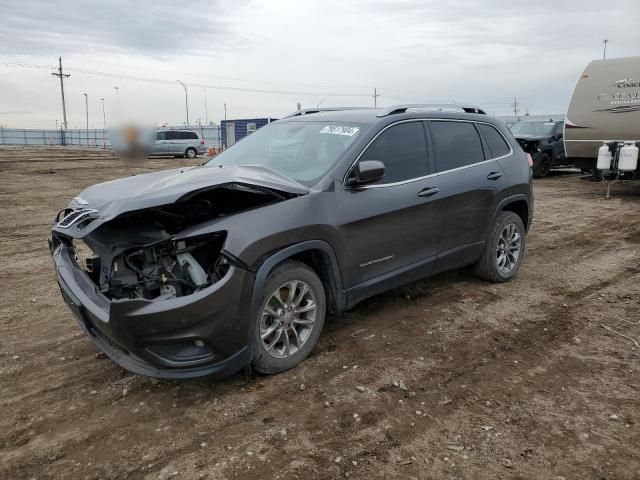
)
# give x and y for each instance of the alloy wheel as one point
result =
(288, 318)
(509, 248)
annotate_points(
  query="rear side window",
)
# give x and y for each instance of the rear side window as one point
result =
(498, 147)
(403, 150)
(457, 144)
(190, 135)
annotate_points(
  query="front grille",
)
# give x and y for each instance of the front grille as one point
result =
(71, 216)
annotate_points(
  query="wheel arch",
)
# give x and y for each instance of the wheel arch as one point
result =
(518, 204)
(317, 255)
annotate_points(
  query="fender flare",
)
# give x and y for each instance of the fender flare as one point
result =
(511, 199)
(281, 255)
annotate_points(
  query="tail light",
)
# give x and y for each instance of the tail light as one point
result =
(529, 160)
(202, 141)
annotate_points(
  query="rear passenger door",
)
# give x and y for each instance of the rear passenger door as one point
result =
(173, 143)
(468, 179)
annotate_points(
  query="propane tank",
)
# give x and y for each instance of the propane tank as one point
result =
(604, 158)
(628, 160)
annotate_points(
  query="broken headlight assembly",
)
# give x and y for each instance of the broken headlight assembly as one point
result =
(167, 268)
(84, 257)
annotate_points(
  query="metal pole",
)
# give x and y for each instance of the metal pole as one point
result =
(62, 77)
(86, 109)
(225, 111)
(206, 114)
(104, 116)
(375, 97)
(186, 99)
(604, 53)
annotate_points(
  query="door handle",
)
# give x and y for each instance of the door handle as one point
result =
(427, 192)
(494, 175)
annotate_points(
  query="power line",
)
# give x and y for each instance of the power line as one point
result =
(192, 84)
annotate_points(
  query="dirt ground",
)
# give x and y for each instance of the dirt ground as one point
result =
(446, 378)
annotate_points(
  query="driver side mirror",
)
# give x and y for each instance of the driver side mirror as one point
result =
(366, 172)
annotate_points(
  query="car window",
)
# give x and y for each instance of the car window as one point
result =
(190, 135)
(160, 136)
(498, 147)
(171, 135)
(456, 144)
(403, 150)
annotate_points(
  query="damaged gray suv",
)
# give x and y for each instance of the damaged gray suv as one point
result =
(206, 270)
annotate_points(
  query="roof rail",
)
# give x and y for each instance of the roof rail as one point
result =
(435, 106)
(307, 111)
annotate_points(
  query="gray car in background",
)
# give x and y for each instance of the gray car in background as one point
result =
(183, 143)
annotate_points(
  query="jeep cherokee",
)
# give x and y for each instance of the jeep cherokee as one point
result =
(208, 269)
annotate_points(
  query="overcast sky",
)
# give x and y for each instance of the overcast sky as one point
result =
(260, 58)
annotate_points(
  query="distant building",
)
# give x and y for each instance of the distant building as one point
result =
(233, 130)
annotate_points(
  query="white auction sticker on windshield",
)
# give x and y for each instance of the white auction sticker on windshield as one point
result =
(339, 130)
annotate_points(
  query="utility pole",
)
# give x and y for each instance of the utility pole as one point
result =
(86, 107)
(515, 107)
(62, 76)
(604, 52)
(186, 99)
(206, 115)
(375, 98)
(225, 111)
(104, 116)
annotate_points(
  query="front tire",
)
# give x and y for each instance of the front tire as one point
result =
(290, 318)
(541, 166)
(504, 250)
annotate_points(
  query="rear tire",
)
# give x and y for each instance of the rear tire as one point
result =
(541, 166)
(290, 319)
(191, 153)
(504, 249)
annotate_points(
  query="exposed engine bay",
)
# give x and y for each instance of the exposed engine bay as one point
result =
(135, 255)
(531, 147)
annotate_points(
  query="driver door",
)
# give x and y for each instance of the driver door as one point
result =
(388, 226)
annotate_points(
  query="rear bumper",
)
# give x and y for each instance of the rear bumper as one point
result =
(203, 334)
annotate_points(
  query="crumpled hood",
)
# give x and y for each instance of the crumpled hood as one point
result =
(148, 190)
(531, 138)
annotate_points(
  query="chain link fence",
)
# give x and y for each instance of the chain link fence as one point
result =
(93, 137)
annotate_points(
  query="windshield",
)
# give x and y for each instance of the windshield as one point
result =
(303, 151)
(533, 128)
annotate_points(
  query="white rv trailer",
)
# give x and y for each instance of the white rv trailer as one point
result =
(605, 107)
